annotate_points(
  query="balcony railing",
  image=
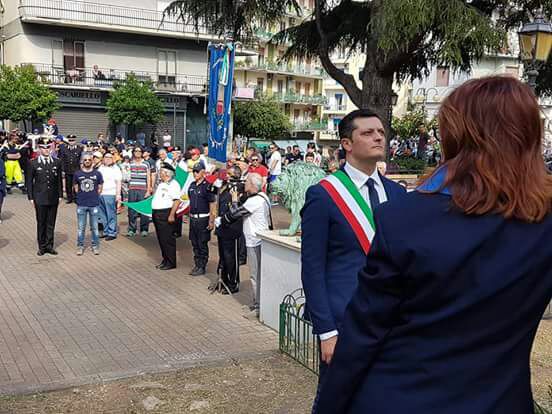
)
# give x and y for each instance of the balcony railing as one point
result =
(102, 15)
(301, 70)
(310, 125)
(335, 108)
(107, 78)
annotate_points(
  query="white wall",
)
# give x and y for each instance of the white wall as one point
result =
(124, 56)
(11, 11)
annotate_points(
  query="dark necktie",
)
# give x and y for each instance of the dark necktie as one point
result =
(372, 193)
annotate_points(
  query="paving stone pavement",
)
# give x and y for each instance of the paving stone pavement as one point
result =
(68, 320)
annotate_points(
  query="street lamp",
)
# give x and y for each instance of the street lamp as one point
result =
(535, 42)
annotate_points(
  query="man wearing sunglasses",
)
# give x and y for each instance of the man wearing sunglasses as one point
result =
(255, 167)
(139, 188)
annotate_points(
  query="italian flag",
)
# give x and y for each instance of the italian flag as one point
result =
(352, 205)
(184, 179)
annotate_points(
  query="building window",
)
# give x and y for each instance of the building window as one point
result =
(307, 89)
(443, 75)
(73, 55)
(338, 100)
(280, 86)
(260, 84)
(57, 54)
(261, 56)
(166, 67)
(298, 88)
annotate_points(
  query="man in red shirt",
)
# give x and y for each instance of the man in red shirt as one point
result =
(257, 168)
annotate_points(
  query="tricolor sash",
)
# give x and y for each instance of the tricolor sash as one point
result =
(352, 205)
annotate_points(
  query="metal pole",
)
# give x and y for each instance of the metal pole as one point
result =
(174, 122)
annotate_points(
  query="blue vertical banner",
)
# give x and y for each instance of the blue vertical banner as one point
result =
(221, 79)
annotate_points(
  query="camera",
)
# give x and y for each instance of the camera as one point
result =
(237, 184)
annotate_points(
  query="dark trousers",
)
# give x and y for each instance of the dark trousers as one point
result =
(242, 250)
(69, 187)
(229, 263)
(200, 236)
(323, 369)
(165, 235)
(136, 195)
(45, 225)
(178, 227)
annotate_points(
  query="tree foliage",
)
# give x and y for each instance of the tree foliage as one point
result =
(402, 39)
(407, 126)
(134, 102)
(23, 96)
(263, 119)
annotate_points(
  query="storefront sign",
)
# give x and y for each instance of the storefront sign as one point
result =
(81, 97)
(171, 101)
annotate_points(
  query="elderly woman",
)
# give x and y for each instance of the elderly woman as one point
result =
(443, 319)
(164, 204)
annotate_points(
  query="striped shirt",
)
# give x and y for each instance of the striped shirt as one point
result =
(139, 172)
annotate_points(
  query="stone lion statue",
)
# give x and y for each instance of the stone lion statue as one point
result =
(291, 186)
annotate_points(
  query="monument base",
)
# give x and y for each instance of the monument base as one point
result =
(280, 274)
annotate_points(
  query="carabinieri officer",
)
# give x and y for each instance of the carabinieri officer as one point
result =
(164, 205)
(45, 190)
(202, 218)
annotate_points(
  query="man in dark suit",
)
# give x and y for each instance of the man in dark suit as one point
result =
(70, 155)
(45, 189)
(337, 227)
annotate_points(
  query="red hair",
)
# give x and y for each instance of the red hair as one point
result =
(492, 134)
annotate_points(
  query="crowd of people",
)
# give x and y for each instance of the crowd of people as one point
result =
(99, 177)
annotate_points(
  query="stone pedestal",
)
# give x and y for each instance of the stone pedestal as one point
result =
(280, 274)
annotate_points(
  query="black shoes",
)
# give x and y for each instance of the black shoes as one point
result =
(166, 267)
(52, 252)
(162, 264)
(40, 253)
(198, 271)
(232, 291)
(109, 238)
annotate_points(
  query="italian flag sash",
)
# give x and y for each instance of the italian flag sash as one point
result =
(352, 205)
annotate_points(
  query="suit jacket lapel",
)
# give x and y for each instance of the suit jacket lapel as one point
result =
(389, 189)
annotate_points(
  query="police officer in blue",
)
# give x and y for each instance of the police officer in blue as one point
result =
(45, 190)
(202, 218)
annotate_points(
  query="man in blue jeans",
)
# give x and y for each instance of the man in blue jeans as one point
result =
(110, 196)
(88, 184)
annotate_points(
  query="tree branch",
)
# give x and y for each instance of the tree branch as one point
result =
(346, 80)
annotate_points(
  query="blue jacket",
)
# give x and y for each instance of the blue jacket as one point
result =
(444, 316)
(331, 256)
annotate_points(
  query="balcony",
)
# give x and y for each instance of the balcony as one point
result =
(334, 107)
(308, 71)
(294, 98)
(100, 16)
(87, 78)
(300, 125)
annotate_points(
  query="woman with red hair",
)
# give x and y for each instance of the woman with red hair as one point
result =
(459, 274)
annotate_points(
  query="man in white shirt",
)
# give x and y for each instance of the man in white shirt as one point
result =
(110, 197)
(274, 166)
(163, 205)
(337, 228)
(167, 139)
(257, 218)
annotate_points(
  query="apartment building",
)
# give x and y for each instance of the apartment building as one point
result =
(428, 93)
(83, 48)
(297, 85)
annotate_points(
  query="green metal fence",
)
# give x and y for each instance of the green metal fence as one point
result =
(296, 337)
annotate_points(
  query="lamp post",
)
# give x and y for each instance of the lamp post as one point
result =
(535, 42)
(394, 99)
